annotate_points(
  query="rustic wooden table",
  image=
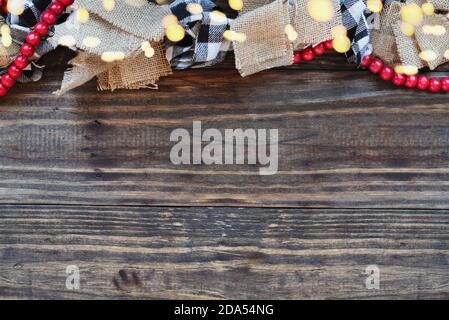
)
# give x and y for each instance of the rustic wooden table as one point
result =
(86, 180)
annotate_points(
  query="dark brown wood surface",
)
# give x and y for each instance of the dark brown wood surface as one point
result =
(86, 179)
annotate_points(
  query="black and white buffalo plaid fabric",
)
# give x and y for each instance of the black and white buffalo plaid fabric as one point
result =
(359, 22)
(20, 26)
(204, 44)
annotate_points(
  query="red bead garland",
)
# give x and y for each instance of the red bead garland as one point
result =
(49, 17)
(310, 53)
(420, 82)
(33, 38)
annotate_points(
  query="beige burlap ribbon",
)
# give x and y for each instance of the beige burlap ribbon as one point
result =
(122, 30)
(394, 47)
(267, 45)
(311, 31)
(135, 72)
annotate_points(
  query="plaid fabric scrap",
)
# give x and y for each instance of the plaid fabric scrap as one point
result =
(204, 44)
(359, 22)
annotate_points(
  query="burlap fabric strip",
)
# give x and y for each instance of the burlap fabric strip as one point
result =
(111, 39)
(138, 17)
(250, 5)
(122, 30)
(136, 72)
(383, 38)
(436, 43)
(309, 30)
(394, 47)
(440, 4)
(266, 45)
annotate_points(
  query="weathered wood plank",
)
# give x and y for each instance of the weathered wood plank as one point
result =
(346, 140)
(222, 252)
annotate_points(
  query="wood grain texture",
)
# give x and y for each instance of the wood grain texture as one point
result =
(240, 253)
(346, 140)
(85, 179)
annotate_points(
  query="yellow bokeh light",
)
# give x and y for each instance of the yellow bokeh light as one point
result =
(412, 13)
(175, 32)
(342, 44)
(375, 5)
(320, 10)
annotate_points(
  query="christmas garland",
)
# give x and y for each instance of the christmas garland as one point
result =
(132, 43)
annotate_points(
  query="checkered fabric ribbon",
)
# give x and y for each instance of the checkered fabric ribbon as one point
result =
(204, 44)
(20, 26)
(359, 22)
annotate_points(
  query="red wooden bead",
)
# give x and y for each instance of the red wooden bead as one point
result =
(21, 62)
(49, 17)
(3, 90)
(27, 50)
(7, 81)
(376, 65)
(67, 2)
(329, 45)
(296, 57)
(386, 73)
(56, 7)
(307, 54)
(366, 61)
(411, 81)
(4, 6)
(319, 49)
(41, 28)
(434, 85)
(14, 72)
(399, 79)
(445, 84)
(33, 38)
(423, 82)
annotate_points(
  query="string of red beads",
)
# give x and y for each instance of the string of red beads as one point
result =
(33, 38)
(420, 82)
(310, 53)
(3, 4)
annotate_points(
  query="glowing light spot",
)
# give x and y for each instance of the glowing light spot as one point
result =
(341, 44)
(175, 32)
(16, 7)
(194, 8)
(320, 10)
(82, 15)
(428, 55)
(109, 5)
(407, 29)
(412, 13)
(236, 4)
(428, 8)
(375, 5)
